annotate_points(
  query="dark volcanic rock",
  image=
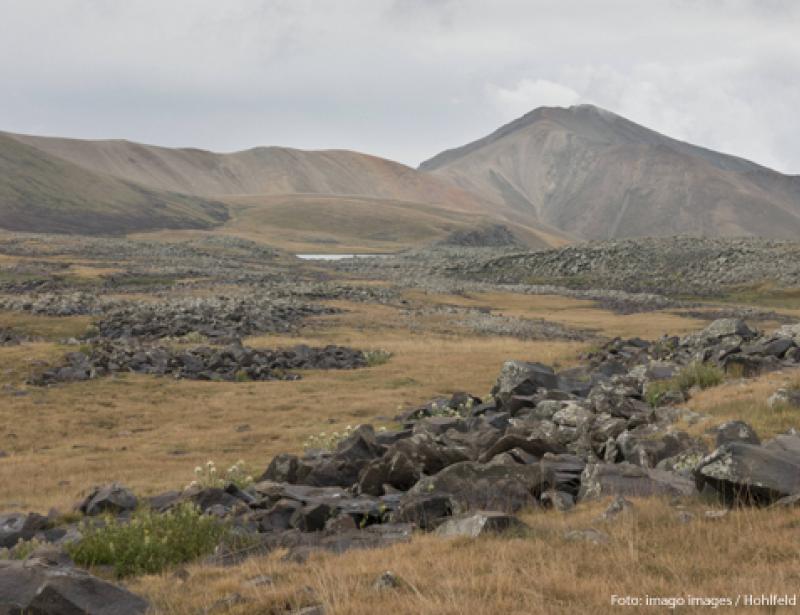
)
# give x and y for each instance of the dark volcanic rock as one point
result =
(36, 587)
(742, 472)
(231, 363)
(480, 523)
(113, 498)
(628, 480)
(474, 486)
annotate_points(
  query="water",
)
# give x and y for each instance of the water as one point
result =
(337, 257)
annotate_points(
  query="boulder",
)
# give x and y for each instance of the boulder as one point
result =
(113, 498)
(531, 445)
(735, 431)
(747, 473)
(286, 468)
(36, 587)
(647, 445)
(16, 527)
(351, 456)
(475, 486)
(425, 511)
(725, 327)
(279, 517)
(395, 469)
(480, 523)
(522, 378)
(786, 397)
(628, 480)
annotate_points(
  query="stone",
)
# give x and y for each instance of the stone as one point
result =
(475, 486)
(789, 501)
(784, 397)
(628, 480)
(351, 456)
(426, 511)
(531, 445)
(649, 444)
(735, 431)
(618, 506)
(32, 586)
(285, 468)
(480, 523)
(741, 472)
(311, 518)
(113, 498)
(16, 527)
(558, 500)
(522, 378)
(395, 469)
(280, 516)
(724, 327)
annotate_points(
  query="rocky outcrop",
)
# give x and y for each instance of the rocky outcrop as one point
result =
(40, 587)
(230, 363)
(742, 472)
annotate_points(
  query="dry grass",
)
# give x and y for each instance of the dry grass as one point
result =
(150, 433)
(746, 400)
(576, 313)
(650, 553)
(48, 327)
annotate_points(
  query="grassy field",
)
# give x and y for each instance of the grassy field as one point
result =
(650, 552)
(150, 433)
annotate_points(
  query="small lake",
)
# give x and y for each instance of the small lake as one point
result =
(337, 257)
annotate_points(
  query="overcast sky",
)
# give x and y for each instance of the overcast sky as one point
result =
(402, 79)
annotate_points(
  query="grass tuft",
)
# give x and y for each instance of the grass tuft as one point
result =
(149, 542)
(695, 374)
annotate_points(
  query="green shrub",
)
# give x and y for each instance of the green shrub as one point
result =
(149, 542)
(698, 374)
(21, 550)
(377, 357)
(328, 441)
(208, 476)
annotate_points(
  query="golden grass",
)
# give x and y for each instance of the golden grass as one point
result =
(150, 432)
(47, 327)
(576, 313)
(746, 400)
(650, 553)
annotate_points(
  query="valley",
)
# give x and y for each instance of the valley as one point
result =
(423, 324)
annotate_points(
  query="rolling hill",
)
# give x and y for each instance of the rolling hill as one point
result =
(596, 175)
(300, 199)
(43, 193)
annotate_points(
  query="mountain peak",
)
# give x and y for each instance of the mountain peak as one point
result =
(594, 174)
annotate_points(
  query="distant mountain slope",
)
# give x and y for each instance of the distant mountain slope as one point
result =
(278, 193)
(44, 193)
(596, 175)
(262, 170)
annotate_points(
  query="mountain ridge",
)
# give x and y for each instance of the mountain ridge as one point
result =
(594, 174)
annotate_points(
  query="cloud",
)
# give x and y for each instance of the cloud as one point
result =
(398, 78)
(529, 94)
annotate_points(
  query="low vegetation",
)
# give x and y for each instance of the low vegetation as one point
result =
(149, 542)
(697, 374)
(207, 475)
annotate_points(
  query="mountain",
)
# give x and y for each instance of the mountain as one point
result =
(43, 193)
(300, 199)
(596, 175)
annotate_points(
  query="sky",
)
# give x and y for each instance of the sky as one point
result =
(402, 79)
